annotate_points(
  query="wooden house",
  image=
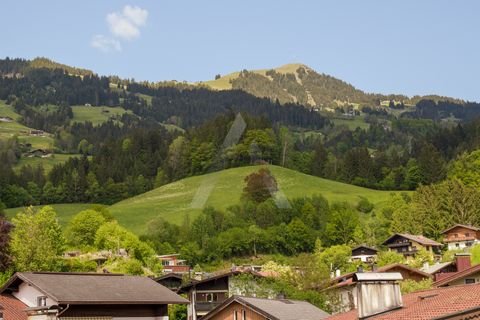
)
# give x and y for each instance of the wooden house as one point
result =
(243, 308)
(49, 295)
(207, 294)
(461, 236)
(364, 254)
(409, 245)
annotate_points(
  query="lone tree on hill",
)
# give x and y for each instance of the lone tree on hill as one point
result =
(261, 186)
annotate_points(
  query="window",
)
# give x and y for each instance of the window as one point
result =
(42, 301)
(244, 315)
(457, 245)
(235, 315)
(469, 281)
(455, 235)
(467, 234)
(212, 297)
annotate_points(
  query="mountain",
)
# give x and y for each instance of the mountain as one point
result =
(298, 83)
(18, 67)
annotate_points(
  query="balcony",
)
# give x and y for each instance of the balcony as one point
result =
(400, 244)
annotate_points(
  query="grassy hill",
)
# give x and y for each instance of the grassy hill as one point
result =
(65, 212)
(9, 129)
(174, 201)
(97, 115)
(220, 190)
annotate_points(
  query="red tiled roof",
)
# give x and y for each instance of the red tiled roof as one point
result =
(13, 309)
(457, 276)
(428, 304)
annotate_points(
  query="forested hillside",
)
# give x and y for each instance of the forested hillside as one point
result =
(110, 138)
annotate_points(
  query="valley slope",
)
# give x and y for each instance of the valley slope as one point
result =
(173, 201)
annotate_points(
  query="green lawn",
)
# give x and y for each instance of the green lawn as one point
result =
(352, 124)
(174, 201)
(64, 211)
(96, 115)
(48, 163)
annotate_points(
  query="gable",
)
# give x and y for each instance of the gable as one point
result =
(363, 251)
(29, 294)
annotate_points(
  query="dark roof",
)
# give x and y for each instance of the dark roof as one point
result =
(457, 276)
(438, 303)
(364, 246)
(186, 287)
(461, 225)
(95, 288)
(283, 309)
(170, 275)
(417, 238)
(12, 308)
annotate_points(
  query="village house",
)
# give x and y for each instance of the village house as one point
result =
(461, 236)
(172, 264)
(172, 281)
(243, 308)
(454, 303)
(409, 245)
(344, 287)
(465, 273)
(442, 270)
(12, 308)
(207, 294)
(364, 254)
(82, 296)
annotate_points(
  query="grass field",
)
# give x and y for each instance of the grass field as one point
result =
(47, 163)
(352, 124)
(96, 115)
(9, 129)
(173, 201)
(64, 211)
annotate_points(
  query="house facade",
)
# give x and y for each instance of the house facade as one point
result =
(243, 308)
(364, 254)
(207, 294)
(460, 236)
(82, 296)
(408, 245)
(344, 288)
(172, 264)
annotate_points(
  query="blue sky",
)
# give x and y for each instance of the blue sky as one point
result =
(408, 46)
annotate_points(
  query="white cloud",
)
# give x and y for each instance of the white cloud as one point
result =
(126, 24)
(105, 44)
(136, 14)
(123, 25)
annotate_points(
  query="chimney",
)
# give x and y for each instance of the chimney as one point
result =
(377, 292)
(462, 260)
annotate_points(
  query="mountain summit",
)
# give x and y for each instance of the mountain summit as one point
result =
(295, 83)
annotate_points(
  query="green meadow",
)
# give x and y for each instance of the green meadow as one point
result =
(223, 189)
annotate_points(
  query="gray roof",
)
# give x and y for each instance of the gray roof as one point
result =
(436, 267)
(283, 309)
(95, 288)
